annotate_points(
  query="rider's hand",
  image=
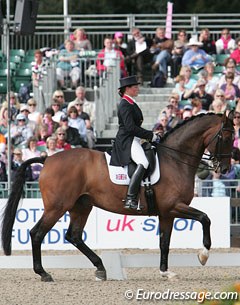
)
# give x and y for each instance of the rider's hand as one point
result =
(156, 136)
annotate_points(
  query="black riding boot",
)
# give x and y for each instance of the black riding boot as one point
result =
(133, 188)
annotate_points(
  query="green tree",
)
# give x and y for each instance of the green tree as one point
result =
(138, 7)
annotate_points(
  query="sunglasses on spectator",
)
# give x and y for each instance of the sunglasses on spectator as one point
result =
(56, 105)
(21, 120)
(220, 95)
(58, 96)
(237, 117)
(61, 134)
(17, 154)
(78, 104)
(31, 104)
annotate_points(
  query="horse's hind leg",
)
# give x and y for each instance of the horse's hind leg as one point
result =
(78, 219)
(182, 210)
(38, 233)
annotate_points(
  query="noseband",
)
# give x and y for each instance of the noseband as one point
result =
(218, 155)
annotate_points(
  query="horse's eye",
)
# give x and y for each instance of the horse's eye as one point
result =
(227, 140)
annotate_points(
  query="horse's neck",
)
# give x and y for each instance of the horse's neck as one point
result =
(188, 140)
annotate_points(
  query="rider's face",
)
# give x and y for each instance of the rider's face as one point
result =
(133, 90)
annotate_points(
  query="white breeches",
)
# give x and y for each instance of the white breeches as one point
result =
(137, 153)
(74, 74)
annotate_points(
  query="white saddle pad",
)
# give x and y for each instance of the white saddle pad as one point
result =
(119, 175)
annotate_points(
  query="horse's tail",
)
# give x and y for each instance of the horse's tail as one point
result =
(12, 203)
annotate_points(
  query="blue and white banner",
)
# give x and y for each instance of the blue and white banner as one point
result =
(106, 230)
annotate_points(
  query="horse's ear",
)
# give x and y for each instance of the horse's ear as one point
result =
(224, 117)
(230, 115)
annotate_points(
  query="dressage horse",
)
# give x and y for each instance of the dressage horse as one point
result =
(78, 179)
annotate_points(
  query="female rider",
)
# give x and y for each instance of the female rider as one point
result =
(127, 144)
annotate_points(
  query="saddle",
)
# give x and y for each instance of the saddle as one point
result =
(121, 175)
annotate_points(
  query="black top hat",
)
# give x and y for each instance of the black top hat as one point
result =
(128, 81)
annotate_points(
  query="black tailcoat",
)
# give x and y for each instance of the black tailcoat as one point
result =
(130, 119)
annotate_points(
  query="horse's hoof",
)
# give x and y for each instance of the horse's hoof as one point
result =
(101, 275)
(47, 278)
(203, 256)
(168, 274)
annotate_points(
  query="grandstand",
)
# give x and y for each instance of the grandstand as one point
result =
(51, 32)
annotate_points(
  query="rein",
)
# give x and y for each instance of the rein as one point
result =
(210, 157)
(200, 159)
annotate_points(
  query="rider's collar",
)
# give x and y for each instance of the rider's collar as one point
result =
(129, 99)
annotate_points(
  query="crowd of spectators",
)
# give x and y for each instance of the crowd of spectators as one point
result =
(68, 124)
(61, 126)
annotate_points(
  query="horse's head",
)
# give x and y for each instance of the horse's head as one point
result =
(221, 143)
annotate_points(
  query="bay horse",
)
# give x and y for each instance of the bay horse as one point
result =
(78, 179)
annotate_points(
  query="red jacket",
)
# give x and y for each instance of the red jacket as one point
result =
(100, 60)
(236, 55)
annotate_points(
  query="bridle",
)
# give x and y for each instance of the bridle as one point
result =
(217, 156)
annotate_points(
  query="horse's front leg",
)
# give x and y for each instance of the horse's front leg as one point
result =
(182, 210)
(165, 236)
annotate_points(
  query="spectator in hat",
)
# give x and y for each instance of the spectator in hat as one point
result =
(195, 57)
(127, 144)
(20, 132)
(72, 135)
(119, 44)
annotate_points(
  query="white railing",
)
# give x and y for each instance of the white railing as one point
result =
(107, 99)
(104, 86)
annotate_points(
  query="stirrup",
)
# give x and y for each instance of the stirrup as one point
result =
(132, 204)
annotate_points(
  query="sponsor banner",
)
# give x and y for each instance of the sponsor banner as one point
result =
(106, 230)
